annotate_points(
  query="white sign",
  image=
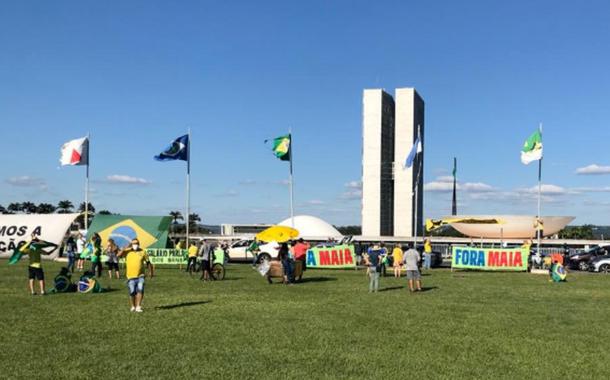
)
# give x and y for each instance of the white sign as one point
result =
(17, 229)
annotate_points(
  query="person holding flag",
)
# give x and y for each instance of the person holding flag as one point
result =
(34, 248)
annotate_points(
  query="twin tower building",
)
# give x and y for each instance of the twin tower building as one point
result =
(390, 127)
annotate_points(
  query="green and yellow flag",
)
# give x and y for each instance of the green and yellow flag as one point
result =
(532, 148)
(281, 147)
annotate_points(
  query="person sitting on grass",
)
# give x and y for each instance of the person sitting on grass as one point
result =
(34, 248)
(135, 271)
(411, 261)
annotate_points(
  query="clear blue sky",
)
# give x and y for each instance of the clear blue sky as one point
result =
(136, 74)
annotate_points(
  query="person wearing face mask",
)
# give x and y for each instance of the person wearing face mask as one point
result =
(135, 271)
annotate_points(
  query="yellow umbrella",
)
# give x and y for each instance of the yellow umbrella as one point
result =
(280, 234)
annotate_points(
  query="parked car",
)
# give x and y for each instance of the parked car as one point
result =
(600, 264)
(238, 251)
(580, 260)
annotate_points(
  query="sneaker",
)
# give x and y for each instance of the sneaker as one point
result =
(139, 309)
(33, 293)
(132, 308)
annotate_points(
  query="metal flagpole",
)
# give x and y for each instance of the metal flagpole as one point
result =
(291, 151)
(188, 187)
(87, 185)
(454, 200)
(539, 217)
(416, 207)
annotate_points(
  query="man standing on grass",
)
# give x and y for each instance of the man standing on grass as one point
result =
(374, 260)
(411, 261)
(135, 271)
(34, 249)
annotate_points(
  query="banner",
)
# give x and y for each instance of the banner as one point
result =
(508, 259)
(167, 256)
(17, 229)
(150, 230)
(337, 256)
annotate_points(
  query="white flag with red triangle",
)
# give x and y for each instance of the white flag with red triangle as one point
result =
(75, 152)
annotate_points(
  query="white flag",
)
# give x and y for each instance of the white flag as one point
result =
(75, 152)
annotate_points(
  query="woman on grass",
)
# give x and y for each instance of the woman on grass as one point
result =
(112, 251)
(397, 257)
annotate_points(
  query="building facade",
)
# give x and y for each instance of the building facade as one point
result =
(389, 130)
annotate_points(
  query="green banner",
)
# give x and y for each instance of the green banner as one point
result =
(167, 256)
(337, 256)
(508, 259)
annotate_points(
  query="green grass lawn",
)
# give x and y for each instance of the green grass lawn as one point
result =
(465, 325)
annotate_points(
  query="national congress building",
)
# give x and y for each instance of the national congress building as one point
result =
(389, 130)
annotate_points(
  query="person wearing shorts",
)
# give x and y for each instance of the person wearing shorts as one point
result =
(112, 251)
(206, 253)
(411, 261)
(34, 249)
(135, 271)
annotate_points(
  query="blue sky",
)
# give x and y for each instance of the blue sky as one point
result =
(136, 74)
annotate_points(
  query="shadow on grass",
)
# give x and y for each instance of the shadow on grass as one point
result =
(316, 279)
(391, 288)
(428, 288)
(181, 304)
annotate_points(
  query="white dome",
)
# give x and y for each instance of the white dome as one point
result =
(312, 227)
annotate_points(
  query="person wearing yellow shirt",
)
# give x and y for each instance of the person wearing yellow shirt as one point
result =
(397, 258)
(192, 254)
(136, 262)
(427, 254)
(34, 248)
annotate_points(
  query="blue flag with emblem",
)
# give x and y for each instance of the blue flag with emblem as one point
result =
(177, 150)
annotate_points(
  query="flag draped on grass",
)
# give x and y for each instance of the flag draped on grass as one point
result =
(532, 148)
(75, 152)
(417, 148)
(177, 150)
(281, 147)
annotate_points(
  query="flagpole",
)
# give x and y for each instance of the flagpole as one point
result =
(87, 184)
(454, 202)
(539, 218)
(416, 191)
(291, 150)
(188, 186)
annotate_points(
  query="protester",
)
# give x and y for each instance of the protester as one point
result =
(71, 252)
(254, 249)
(411, 261)
(427, 254)
(284, 256)
(96, 255)
(192, 258)
(135, 271)
(300, 254)
(34, 249)
(206, 251)
(374, 267)
(112, 251)
(397, 260)
(80, 248)
(384, 258)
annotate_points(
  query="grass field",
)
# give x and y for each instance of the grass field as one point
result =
(465, 325)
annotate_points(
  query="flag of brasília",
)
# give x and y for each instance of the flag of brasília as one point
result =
(532, 148)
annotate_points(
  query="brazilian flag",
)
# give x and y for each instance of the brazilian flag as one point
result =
(281, 147)
(151, 231)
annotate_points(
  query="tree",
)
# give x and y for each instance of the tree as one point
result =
(584, 232)
(176, 215)
(64, 207)
(14, 207)
(194, 220)
(3, 210)
(81, 207)
(104, 212)
(80, 219)
(45, 208)
(349, 230)
(28, 207)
